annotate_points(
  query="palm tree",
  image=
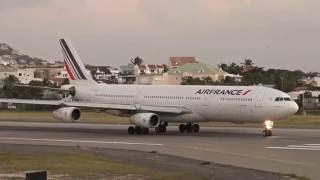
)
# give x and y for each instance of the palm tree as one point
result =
(247, 63)
(137, 61)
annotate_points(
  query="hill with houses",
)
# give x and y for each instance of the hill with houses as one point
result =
(11, 56)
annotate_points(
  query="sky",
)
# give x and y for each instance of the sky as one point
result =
(273, 33)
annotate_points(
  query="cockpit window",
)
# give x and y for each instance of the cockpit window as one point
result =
(287, 99)
(283, 99)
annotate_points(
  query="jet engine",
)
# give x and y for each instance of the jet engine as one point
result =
(67, 114)
(146, 120)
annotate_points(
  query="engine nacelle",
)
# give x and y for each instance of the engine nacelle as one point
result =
(146, 120)
(67, 114)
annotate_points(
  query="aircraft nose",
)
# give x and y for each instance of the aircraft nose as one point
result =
(293, 107)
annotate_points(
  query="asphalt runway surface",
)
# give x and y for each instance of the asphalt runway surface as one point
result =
(294, 151)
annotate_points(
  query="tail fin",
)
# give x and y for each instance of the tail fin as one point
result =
(75, 68)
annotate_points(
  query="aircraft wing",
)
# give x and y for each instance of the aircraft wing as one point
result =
(40, 87)
(31, 101)
(88, 104)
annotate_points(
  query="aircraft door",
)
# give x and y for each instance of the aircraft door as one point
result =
(258, 105)
(138, 98)
(207, 106)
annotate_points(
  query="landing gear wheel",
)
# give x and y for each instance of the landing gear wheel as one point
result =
(195, 128)
(145, 130)
(182, 128)
(164, 129)
(138, 130)
(161, 129)
(189, 128)
(131, 130)
(267, 132)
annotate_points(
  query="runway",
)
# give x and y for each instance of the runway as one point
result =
(288, 151)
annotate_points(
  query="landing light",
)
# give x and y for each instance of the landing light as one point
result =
(268, 124)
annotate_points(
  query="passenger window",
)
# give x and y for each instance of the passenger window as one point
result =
(277, 99)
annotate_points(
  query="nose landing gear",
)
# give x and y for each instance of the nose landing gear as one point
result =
(268, 125)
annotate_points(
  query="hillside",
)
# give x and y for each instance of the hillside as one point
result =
(10, 56)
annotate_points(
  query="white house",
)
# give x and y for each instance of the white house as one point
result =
(236, 77)
(5, 71)
(147, 69)
(26, 75)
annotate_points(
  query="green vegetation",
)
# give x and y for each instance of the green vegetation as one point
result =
(296, 121)
(79, 164)
(284, 80)
(300, 121)
(137, 61)
(11, 90)
(281, 79)
(294, 176)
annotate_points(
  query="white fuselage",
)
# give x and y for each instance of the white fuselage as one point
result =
(208, 103)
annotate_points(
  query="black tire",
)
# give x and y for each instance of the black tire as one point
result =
(267, 132)
(138, 130)
(158, 129)
(189, 128)
(145, 130)
(195, 128)
(182, 128)
(164, 129)
(131, 130)
(161, 129)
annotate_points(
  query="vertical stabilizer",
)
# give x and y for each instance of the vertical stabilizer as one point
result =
(75, 68)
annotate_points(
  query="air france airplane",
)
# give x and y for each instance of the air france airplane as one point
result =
(154, 106)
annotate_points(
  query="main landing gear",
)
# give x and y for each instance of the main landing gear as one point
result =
(189, 128)
(162, 128)
(268, 125)
(138, 130)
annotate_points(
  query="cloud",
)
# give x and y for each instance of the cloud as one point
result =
(12, 4)
(110, 15)
(185, 14)
(156, 29)
(71, 15)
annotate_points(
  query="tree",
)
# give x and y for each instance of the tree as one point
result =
(311, 74)
(197, 81)
(224, 67)
(9, 88)
(229, 81)
(165, 68)
(207, 80)
(247, 63)
(234, 68)
(137, 61)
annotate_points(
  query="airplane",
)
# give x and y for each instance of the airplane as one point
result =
(154, 106)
